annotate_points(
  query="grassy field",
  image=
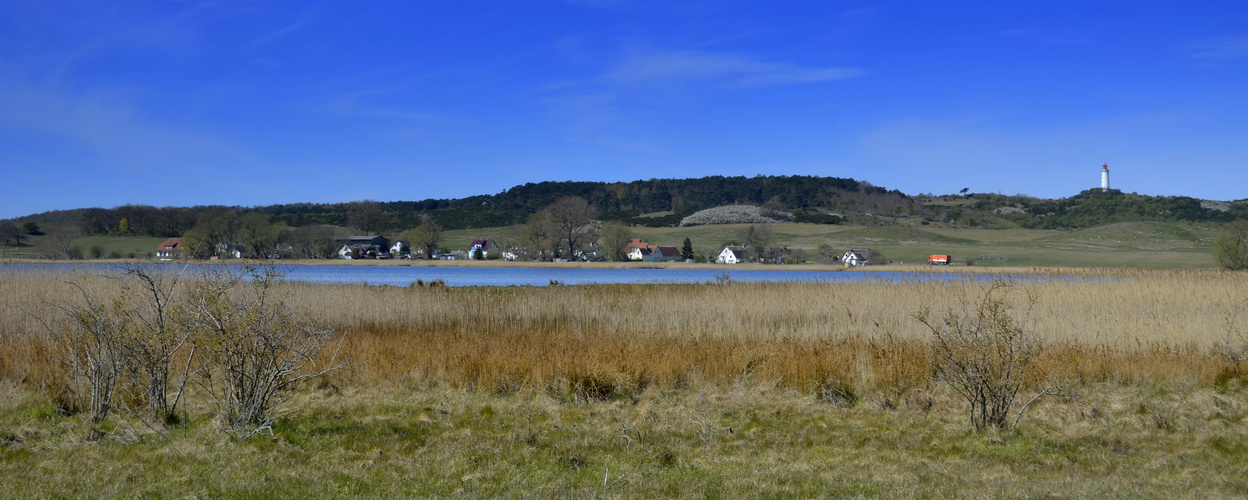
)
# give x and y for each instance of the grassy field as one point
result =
(741, 389)
(1160, 245)
(1148, 245)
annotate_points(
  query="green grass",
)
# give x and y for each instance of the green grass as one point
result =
(750, 440)
(140, 246)
(1167, 245)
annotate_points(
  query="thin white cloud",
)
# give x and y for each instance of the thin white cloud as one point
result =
(351, 105)
(1225, 48)
(691, 66)
(109, 125)
(285, 30)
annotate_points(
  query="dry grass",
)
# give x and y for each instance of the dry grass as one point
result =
(737, 390)
(1140, 326)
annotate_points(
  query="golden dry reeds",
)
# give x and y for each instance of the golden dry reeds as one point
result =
(1134, 326)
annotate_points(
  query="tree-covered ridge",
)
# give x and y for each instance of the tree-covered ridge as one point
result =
(1095, 207)
(664, 202)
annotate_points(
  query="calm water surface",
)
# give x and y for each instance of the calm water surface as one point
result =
(515, 276)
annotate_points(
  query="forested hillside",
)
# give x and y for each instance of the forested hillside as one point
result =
(663, 202)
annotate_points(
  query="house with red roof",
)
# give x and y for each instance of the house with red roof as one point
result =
(170, 249)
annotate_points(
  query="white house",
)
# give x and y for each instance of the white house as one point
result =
(486, 246)
(731, 255)
(170, 249)
(857, 257)
(399, 246)
(345, 252)
(639, 250)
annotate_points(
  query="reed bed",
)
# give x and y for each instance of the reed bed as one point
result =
(601, 340)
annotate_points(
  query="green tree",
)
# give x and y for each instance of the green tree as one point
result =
(214, 233)
(1231, 249)
(32, 228)
(614, 240)
(124, 226)
(255, 232)
(686, 250)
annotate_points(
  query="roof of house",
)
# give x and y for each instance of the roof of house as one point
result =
(170, 244)
(669, 251)
(637, 243)
(737, 251)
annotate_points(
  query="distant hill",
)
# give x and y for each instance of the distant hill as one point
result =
(664, 202)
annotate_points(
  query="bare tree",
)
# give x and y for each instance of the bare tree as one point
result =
(10, 234)
(426, 236)
(538, 236)
(366, 216)
(316, 241)
(59, 244)
(570, 216)
(614, 240)
(758, 239)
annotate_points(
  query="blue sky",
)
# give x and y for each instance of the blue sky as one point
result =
(261, 102)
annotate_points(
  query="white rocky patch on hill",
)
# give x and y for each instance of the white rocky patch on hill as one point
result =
(736, 214)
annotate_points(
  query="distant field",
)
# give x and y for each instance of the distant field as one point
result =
(1160, 245)
(1163, 245)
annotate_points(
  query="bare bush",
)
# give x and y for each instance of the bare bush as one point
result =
(153, 333)
(984, 354)
(124, 345)
(93, 353)
(259, 348)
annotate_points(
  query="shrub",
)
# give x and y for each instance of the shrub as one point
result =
(1231, 249)
(984, 354)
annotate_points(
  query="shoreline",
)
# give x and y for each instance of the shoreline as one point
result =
(910, 268)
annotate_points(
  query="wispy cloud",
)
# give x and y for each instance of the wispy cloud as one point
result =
(598, 119)
(352, 104)
(287, 30)
(110, 125)
(1224, 48)
(735, 69)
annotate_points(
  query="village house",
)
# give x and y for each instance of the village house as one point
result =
(731, 254)
(364, 246)
(857, 257)
(401, 247)
(487, 247)
(639, 250)
(662, 254)
(170, 249)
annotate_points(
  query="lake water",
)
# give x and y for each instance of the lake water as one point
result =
(543, 276)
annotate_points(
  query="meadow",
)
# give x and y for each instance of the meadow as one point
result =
(716, 390)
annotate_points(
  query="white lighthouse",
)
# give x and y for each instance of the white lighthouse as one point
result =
(1105, 177)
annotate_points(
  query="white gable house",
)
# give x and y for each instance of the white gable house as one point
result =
(857, 257)
(731, 255)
